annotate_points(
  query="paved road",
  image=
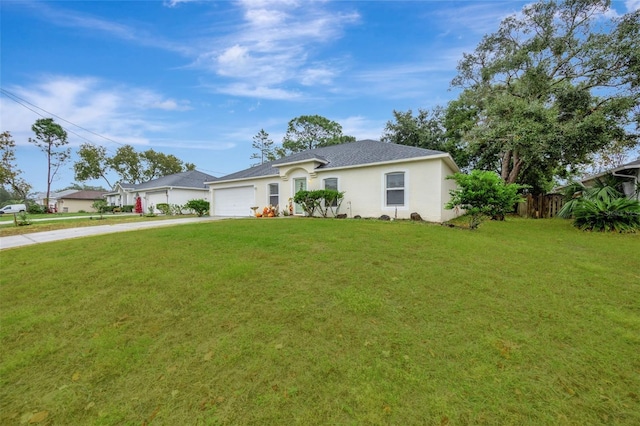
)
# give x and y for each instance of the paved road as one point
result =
(65, 234)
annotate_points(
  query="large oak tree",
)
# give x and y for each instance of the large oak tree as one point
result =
(549, 89)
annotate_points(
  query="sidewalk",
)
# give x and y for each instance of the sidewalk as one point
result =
(65, 234)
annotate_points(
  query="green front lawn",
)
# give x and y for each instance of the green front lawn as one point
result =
(310, 321)
(41, 223)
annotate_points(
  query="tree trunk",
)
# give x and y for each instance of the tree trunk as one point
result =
(506, 162)
(46, 200)
(511, 165)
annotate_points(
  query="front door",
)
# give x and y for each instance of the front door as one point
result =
(299, 184)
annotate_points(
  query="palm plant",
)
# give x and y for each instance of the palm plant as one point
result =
(601, 207)
(572, 195)
(617, 215)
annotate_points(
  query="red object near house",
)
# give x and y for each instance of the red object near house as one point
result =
(138, 205)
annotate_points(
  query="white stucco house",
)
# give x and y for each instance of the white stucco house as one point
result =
(172, 189)
(377, 178)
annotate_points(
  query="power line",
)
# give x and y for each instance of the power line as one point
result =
(22, 102)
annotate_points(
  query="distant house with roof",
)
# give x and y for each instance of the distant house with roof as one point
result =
(70, 200)
(177, 189)
(628, 174)
(377, 178)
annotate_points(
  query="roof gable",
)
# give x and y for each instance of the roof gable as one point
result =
(84, 195)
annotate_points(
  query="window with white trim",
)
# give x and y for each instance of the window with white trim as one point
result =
(332, 183)
(394, 188)
(274, 193)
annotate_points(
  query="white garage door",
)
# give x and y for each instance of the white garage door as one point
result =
(233, 201)
(155, 198)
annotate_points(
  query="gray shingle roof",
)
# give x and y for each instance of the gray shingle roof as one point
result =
(631, 165)
(84, 195)
(190, 179)
(344, 155)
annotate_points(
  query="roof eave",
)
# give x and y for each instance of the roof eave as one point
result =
(306, 160)
(241, 179)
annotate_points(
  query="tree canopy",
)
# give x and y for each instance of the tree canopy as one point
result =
(9, 172)
(92, 164)
(313, 131)
(427, 129)
(131, 166)
(263, 144)
(549, 89)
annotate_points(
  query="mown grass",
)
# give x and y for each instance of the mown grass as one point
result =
(52, 223)
(324, 322)
(8, 217)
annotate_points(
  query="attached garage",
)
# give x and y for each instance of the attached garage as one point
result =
(154, 198)
(236, 201)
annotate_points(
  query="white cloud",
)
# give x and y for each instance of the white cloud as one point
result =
(258, 91)
(74, 19)
(121, 114)
(362, 127)
(175, 3)
(478, 19)
(273, 46)
(632, 5)
(316, 76)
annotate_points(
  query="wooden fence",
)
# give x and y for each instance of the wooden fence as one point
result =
(541, 206)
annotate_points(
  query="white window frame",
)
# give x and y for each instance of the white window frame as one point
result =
(404, 204)
(271, 195)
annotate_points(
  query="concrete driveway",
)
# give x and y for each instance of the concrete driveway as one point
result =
(65, 234)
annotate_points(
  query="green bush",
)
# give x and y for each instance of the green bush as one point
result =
(201, 207)
(601, 207)
(35, 209)
(319, 200)
(617, 215)
(127, 209)
(164, 208)
(22, 219)
(176, 209)
(483, 194)
(101, 206)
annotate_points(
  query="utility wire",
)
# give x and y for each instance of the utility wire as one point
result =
(22, 102)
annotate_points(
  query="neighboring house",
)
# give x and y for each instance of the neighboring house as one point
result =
(40, 198)
(70, 200)
(172, 189)
(377, 178)
(628, 173)
(78, 201)
(122, 194)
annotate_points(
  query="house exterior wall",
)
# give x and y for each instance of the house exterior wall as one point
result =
(629, 186)
(121, 198)
(426, 190)
(74, 206)
(447, 185)
(179, 196)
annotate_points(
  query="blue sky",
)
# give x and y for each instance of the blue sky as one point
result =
(198, 79)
